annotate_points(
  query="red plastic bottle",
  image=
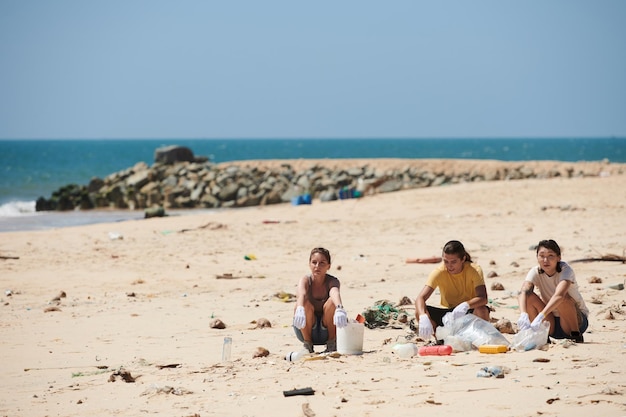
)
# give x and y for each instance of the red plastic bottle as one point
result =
(440, 350)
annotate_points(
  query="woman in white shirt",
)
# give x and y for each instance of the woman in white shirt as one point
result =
(559, 300)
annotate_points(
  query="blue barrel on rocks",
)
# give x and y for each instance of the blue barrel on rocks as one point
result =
(346, 193)
(301, 199)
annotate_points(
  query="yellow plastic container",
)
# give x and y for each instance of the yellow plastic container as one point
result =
(493, 349)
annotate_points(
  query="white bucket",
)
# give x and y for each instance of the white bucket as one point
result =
(350, 339)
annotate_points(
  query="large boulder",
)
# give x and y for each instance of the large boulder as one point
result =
(173, 154)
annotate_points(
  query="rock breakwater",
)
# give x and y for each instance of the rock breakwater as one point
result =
(202, 184)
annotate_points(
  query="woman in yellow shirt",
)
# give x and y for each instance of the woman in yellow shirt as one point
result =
(462, 288)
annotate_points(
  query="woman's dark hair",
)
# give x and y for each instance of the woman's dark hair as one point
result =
(554, 247)
(549, 244)
(321, 251)
(454, 247)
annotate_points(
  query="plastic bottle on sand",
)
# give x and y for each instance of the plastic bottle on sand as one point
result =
(226, 348)
(296, 356)
(405, 350)
(438, 350)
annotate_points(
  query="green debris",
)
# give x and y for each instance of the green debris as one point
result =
(382, 314)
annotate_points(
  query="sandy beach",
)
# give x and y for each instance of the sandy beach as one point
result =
(139, 297)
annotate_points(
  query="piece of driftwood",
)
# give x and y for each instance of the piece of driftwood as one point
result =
(429, 260)
(209, 225)
(9, 257)
(607, 258)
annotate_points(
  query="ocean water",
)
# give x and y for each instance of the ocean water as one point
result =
(30, 169)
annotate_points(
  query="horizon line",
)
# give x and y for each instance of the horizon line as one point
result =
(325, 138)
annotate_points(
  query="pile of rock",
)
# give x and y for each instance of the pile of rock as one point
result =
(178, 179)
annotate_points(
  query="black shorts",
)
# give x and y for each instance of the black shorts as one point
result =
(558, 332)
(436, 313)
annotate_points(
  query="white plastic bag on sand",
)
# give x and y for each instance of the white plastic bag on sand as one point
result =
(469, 332)
(532, 339)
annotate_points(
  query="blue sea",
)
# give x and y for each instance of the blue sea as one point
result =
(30, 169)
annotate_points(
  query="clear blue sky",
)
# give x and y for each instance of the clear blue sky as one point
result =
(282, 69)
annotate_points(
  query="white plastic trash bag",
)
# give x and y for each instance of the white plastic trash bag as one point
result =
(532, 339)
(469, 332)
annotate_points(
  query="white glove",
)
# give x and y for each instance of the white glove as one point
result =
(425, 327)
(536, 324)
(341, 318)
(299, 319)
(523, 322)
(460, 310)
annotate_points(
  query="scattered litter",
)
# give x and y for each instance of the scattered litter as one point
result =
(383, 314)
(122, 374)
(278, 221)
(563, 207)
(491, 349)
(285, 296)
(171, 365)
(115, 236)
(529, 339)
(105, 368)
(101, 370)
(299, 391)
(495, 371)
(494, 303)
(469, 332)
(322, 356)
(566, 343)
(231, 276)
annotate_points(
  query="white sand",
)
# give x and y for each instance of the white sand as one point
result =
(146, 300)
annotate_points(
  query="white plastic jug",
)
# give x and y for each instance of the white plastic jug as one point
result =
(405, 350)
(350, 339)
